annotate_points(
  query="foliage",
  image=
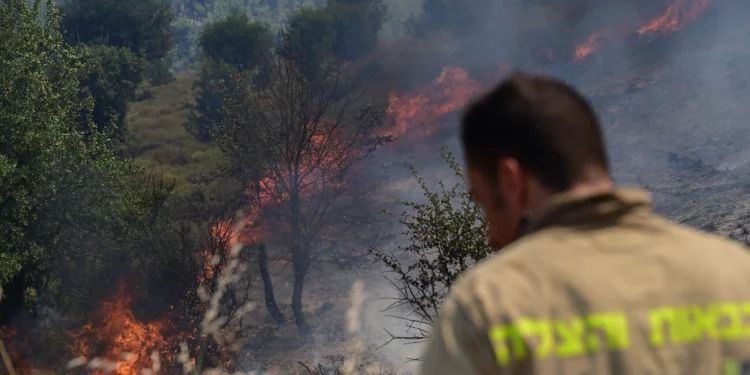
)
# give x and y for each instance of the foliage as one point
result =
(185, 35)
(193, 15)
(142, 26)
(232, 44)
(212, 10)
(159, 72)
(206, 111)
(157, 137)
(347, 29)
(76, 219)
(447, 235)
(357, 24)
(127, 37)
(236, 41)
(59, 188)
(309, 37)
(115, 73)
(36, 99)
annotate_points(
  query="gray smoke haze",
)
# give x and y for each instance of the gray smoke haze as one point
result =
(679, 96)
(682, 91)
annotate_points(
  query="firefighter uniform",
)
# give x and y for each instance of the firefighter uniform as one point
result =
(599, 285)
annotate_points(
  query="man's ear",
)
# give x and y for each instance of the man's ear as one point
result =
(510, 176)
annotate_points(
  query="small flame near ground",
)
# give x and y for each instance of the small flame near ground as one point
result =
(125, 340)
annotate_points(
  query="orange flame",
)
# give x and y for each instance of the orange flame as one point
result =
(423, 109)
(119, 332)
(222, 234)
(596, 41)
(675, 16)
(318, 157)
(673, 19)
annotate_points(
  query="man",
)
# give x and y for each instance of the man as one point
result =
(598, 283)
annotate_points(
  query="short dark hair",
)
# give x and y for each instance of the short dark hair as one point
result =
(543, 123)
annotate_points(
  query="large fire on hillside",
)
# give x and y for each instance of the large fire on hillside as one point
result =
(414, 115)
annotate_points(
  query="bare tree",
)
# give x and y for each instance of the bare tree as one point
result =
(297, 135)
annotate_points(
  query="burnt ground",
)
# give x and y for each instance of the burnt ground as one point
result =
(684, 141)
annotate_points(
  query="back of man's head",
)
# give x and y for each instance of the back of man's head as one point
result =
(543, 123)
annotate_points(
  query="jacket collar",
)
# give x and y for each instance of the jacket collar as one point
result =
(568, 210)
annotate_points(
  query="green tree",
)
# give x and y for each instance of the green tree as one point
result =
(75, 218)
(56, 183)
(342, 30)
(185, 33)
(447, 235)
(357, 24)
(114, 76)
(127, 36)
(236, 41)
(229, 45)
(206, 111)
(311, 30)
(142, 26)
(159, 72)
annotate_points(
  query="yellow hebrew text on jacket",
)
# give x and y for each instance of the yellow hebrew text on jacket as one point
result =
(688, 324)
(582, 335)
(575, 337)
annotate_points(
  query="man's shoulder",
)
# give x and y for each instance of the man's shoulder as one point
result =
(518, 273)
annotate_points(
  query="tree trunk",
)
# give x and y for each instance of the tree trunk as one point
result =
(273, 308)
(300, 263)
(300, 257)
(200, 357)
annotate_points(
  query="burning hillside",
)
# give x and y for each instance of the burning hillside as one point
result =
(117, 335)
(418, 113)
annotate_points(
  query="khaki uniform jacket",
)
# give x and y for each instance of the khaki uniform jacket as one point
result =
(599, 285)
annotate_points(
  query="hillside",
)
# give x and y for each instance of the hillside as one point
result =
(105, 266)
(673, 113)
(157, 135)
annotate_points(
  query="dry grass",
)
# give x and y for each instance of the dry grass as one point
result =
(158, 137)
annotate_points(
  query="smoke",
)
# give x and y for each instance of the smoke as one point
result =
(379, 324)
(677, 93)
(665, 76)
(680, 90)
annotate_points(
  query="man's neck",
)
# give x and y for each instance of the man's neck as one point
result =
(579, 190)
(587, 189)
